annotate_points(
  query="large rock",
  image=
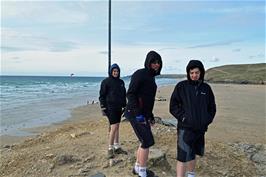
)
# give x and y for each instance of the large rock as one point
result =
(157, 159)
(64, 159)
(98, 175)
(256, 153)
(172, 122)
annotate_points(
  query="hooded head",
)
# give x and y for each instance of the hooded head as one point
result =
(196, 64)
(112, 68)
(153, 57)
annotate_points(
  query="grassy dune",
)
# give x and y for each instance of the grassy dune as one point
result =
(242, 74)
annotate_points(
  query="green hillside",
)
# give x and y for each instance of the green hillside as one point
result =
(244, 74)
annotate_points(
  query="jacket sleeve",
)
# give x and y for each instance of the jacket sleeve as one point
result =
(124, 95)
(103, 94)
(211, 106)
(132, 93)
(176, 105)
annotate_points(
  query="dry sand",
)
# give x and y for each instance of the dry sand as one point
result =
(77, 147)
(240, 112)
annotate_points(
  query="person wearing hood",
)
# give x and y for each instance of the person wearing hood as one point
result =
(112, 101)
(141, 95)
(193, 104)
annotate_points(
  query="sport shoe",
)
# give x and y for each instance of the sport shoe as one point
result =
(134, 171)
(149, 173)
(110, 153)
(120, 151)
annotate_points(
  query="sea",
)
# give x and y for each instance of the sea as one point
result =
(34, 101)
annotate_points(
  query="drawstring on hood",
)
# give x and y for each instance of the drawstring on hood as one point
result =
(151, 57)
(196, 64)
(111, 70)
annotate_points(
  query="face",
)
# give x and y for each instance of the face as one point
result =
(115, 72)
(155, 65)
(194, 74)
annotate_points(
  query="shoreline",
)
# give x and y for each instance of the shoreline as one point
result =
(31, 132)
(50, 109)
(92, 112)
(76, 116)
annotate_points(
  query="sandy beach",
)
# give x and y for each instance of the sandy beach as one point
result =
(235, 142)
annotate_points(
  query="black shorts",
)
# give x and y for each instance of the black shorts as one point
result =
(189, 144)
(143, 132)
(114, 116)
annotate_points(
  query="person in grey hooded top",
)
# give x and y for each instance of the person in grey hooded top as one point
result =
(141, 95)
(193, 105)
(112, 101)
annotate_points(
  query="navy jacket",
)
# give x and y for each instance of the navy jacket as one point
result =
(193, 102)
(112, 92)
(142, 89)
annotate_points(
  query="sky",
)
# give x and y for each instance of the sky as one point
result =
(64, 37)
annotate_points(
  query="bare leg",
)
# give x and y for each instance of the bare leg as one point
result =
(136, 166)
(191, 165)
(138, 154)
(143, 156)
(116, 140)
(112, 134)
(180, 169)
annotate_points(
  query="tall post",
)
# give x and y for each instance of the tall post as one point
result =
(109, 35)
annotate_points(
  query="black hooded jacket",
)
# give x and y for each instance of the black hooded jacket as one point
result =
(193, 102)
(113, 91)
(142, 89)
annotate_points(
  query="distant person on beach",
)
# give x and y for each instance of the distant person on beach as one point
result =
(141, 95)
(113, 101)
(193, 104)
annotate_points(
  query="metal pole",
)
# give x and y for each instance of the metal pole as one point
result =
(109, 35)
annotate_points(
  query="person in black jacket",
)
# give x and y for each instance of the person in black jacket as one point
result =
(141, 95)
(112, 101)
(193, 105)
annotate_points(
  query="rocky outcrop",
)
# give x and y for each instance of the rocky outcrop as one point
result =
(256, 153)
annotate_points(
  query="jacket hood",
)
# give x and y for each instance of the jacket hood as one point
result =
(196, 64)
(151, 57)
(113, 66)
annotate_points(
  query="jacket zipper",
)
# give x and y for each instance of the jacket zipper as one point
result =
(197, 103)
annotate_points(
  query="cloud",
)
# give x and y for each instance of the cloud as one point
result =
(15, 40)
(167, 48)
(214, 59)
(15, 58)
(177, 61)
(103, 52)
(62, 46)
(44, 12)
(12, 49)
(222, 43)
(260, 55)
(236, 50)
(242, 8)
(171, 68)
